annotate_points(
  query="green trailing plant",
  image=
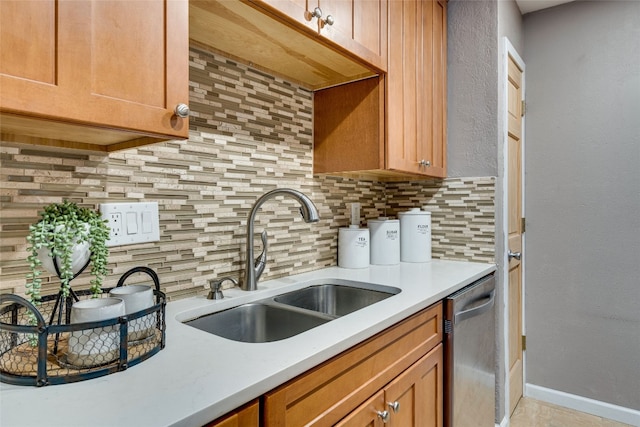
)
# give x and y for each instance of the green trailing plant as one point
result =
(61, 227)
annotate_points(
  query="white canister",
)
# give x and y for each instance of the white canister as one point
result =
(97, 346)
(385, 241)
(136, 298)
(415, 236)
(353, 247)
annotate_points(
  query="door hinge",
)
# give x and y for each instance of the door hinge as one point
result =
(448, 326)
(523, 109)
(524, 343)
(523, 225)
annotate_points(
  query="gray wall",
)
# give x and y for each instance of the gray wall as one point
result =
(472, 93)
(583, 200)
(510, 24)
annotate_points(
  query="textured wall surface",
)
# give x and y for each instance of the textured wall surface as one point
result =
(583, 198)
(472, 75)
(250, 133)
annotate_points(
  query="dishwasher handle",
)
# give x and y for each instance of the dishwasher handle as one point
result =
(476, 311)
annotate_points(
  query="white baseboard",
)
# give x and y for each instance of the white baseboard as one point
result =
(584, 404)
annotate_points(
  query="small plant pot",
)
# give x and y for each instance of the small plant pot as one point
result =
(95, 346)
(80, 257)
(136, 298)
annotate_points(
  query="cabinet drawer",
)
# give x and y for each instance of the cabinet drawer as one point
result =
(247, 416)
(327, 393)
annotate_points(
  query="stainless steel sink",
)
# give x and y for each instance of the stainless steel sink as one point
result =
(257, 323)
(283, 316)
(336, 300)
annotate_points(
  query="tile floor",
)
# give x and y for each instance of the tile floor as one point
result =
(534, 413)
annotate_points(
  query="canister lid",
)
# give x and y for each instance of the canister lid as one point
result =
(353, 229)
(382, 219)
(415, 211)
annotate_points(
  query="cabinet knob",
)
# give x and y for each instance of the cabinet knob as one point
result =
(395, 406)
(329, 20)
(182, 110)
(516, 255)
(424, 163)
(317, 13)
(384, 416)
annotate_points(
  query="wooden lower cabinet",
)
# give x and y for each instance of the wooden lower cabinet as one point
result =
(246, 416)
(414, 398)
(404, 363)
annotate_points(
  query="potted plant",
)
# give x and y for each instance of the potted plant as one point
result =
(72, 235)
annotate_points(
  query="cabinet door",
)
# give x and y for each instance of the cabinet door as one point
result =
(366, 415)
(402, 93)
(360, 26)
(435, 75)
(416, 87)
(116, 64)
(417, 393)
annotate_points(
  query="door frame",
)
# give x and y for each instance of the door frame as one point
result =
(510, 51)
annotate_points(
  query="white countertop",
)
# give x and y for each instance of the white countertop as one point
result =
(199, 376)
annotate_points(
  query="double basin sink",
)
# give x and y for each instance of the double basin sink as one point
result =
(289, 314)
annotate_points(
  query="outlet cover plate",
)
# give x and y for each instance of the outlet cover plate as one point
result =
(131, 223)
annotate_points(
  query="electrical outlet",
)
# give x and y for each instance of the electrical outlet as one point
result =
(131, 223)
(114, 222)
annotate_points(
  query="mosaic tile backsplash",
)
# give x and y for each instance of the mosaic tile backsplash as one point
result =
(250, 133)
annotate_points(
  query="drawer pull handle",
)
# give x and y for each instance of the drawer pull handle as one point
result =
(384, 416)
(395, 406)
(317, 13)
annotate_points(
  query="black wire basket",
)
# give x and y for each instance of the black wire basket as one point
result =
(37, 352)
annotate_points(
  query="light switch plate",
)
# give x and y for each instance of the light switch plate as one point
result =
(131, 223)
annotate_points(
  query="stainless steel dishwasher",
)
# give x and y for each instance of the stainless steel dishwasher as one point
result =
(469, 346)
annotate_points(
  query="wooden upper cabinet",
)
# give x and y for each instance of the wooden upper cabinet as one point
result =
(416, 87)
(409, 101)
(357, 26)
(99, 75)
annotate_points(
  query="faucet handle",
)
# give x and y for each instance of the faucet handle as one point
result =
(261, 261)
(216, 287)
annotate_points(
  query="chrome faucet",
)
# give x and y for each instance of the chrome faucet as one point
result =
(253, 269)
